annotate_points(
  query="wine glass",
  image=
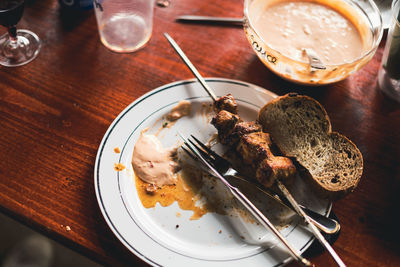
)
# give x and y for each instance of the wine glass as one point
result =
(17, 47)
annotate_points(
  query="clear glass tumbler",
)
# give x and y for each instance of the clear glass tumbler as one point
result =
(124, 25)
(389, 73)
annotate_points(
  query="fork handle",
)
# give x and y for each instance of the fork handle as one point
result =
(266, 223)
(325, 224)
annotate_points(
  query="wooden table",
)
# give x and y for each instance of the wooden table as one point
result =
(55, 110)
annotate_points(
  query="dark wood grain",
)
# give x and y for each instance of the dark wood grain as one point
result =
(55, 111)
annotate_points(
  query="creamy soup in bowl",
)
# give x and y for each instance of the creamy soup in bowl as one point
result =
(342, 34)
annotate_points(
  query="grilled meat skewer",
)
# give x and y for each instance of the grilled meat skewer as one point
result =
(253, 145)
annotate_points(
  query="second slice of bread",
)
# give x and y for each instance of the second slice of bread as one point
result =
(301, 128)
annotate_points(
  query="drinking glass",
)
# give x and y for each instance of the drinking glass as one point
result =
(389, 73)
(17, 47)
(124, 25)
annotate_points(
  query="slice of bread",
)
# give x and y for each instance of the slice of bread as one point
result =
(301, 128)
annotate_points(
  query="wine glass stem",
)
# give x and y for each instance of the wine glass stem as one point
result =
(12, 33)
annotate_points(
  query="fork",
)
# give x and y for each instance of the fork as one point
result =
(248, 205)
(224, 167)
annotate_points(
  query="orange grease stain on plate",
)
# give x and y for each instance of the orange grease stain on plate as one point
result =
(166, 195)
(119, 167)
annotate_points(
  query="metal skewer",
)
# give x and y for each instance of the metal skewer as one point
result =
(281, 186)
(191, 66)
(313, 228)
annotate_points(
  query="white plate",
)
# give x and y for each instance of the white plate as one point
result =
(151, 234)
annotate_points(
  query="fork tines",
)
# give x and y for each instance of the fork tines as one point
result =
(193, 151)
(206, 148)
(210, 154)
(200, 148)
(189, 153)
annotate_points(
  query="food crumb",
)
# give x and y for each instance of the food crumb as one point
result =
(66, 123)
(220, 231)
(119, 166)
(178, 214)
(163, 3)
(150, 189)
(177, 226)
(117, 150)
(183, 108)
(67, 228)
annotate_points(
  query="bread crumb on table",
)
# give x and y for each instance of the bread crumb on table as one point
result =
(67, 228)
(119, 166)
(66, 123)
(117, 150)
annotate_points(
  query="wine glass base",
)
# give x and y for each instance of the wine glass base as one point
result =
(390, 86)
(30, 44)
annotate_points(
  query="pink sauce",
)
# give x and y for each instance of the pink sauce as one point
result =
(183, 108)
(152, 162)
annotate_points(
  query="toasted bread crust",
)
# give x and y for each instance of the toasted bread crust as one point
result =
(301, 128)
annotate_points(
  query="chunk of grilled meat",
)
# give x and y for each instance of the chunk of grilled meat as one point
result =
(225, 121)
(226, 102)
(255, 149)
(242, 128)
(231, 128)
(274, 168)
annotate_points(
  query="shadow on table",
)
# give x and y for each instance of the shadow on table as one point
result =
(22, 246)
(382, 217)
(71, 18)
